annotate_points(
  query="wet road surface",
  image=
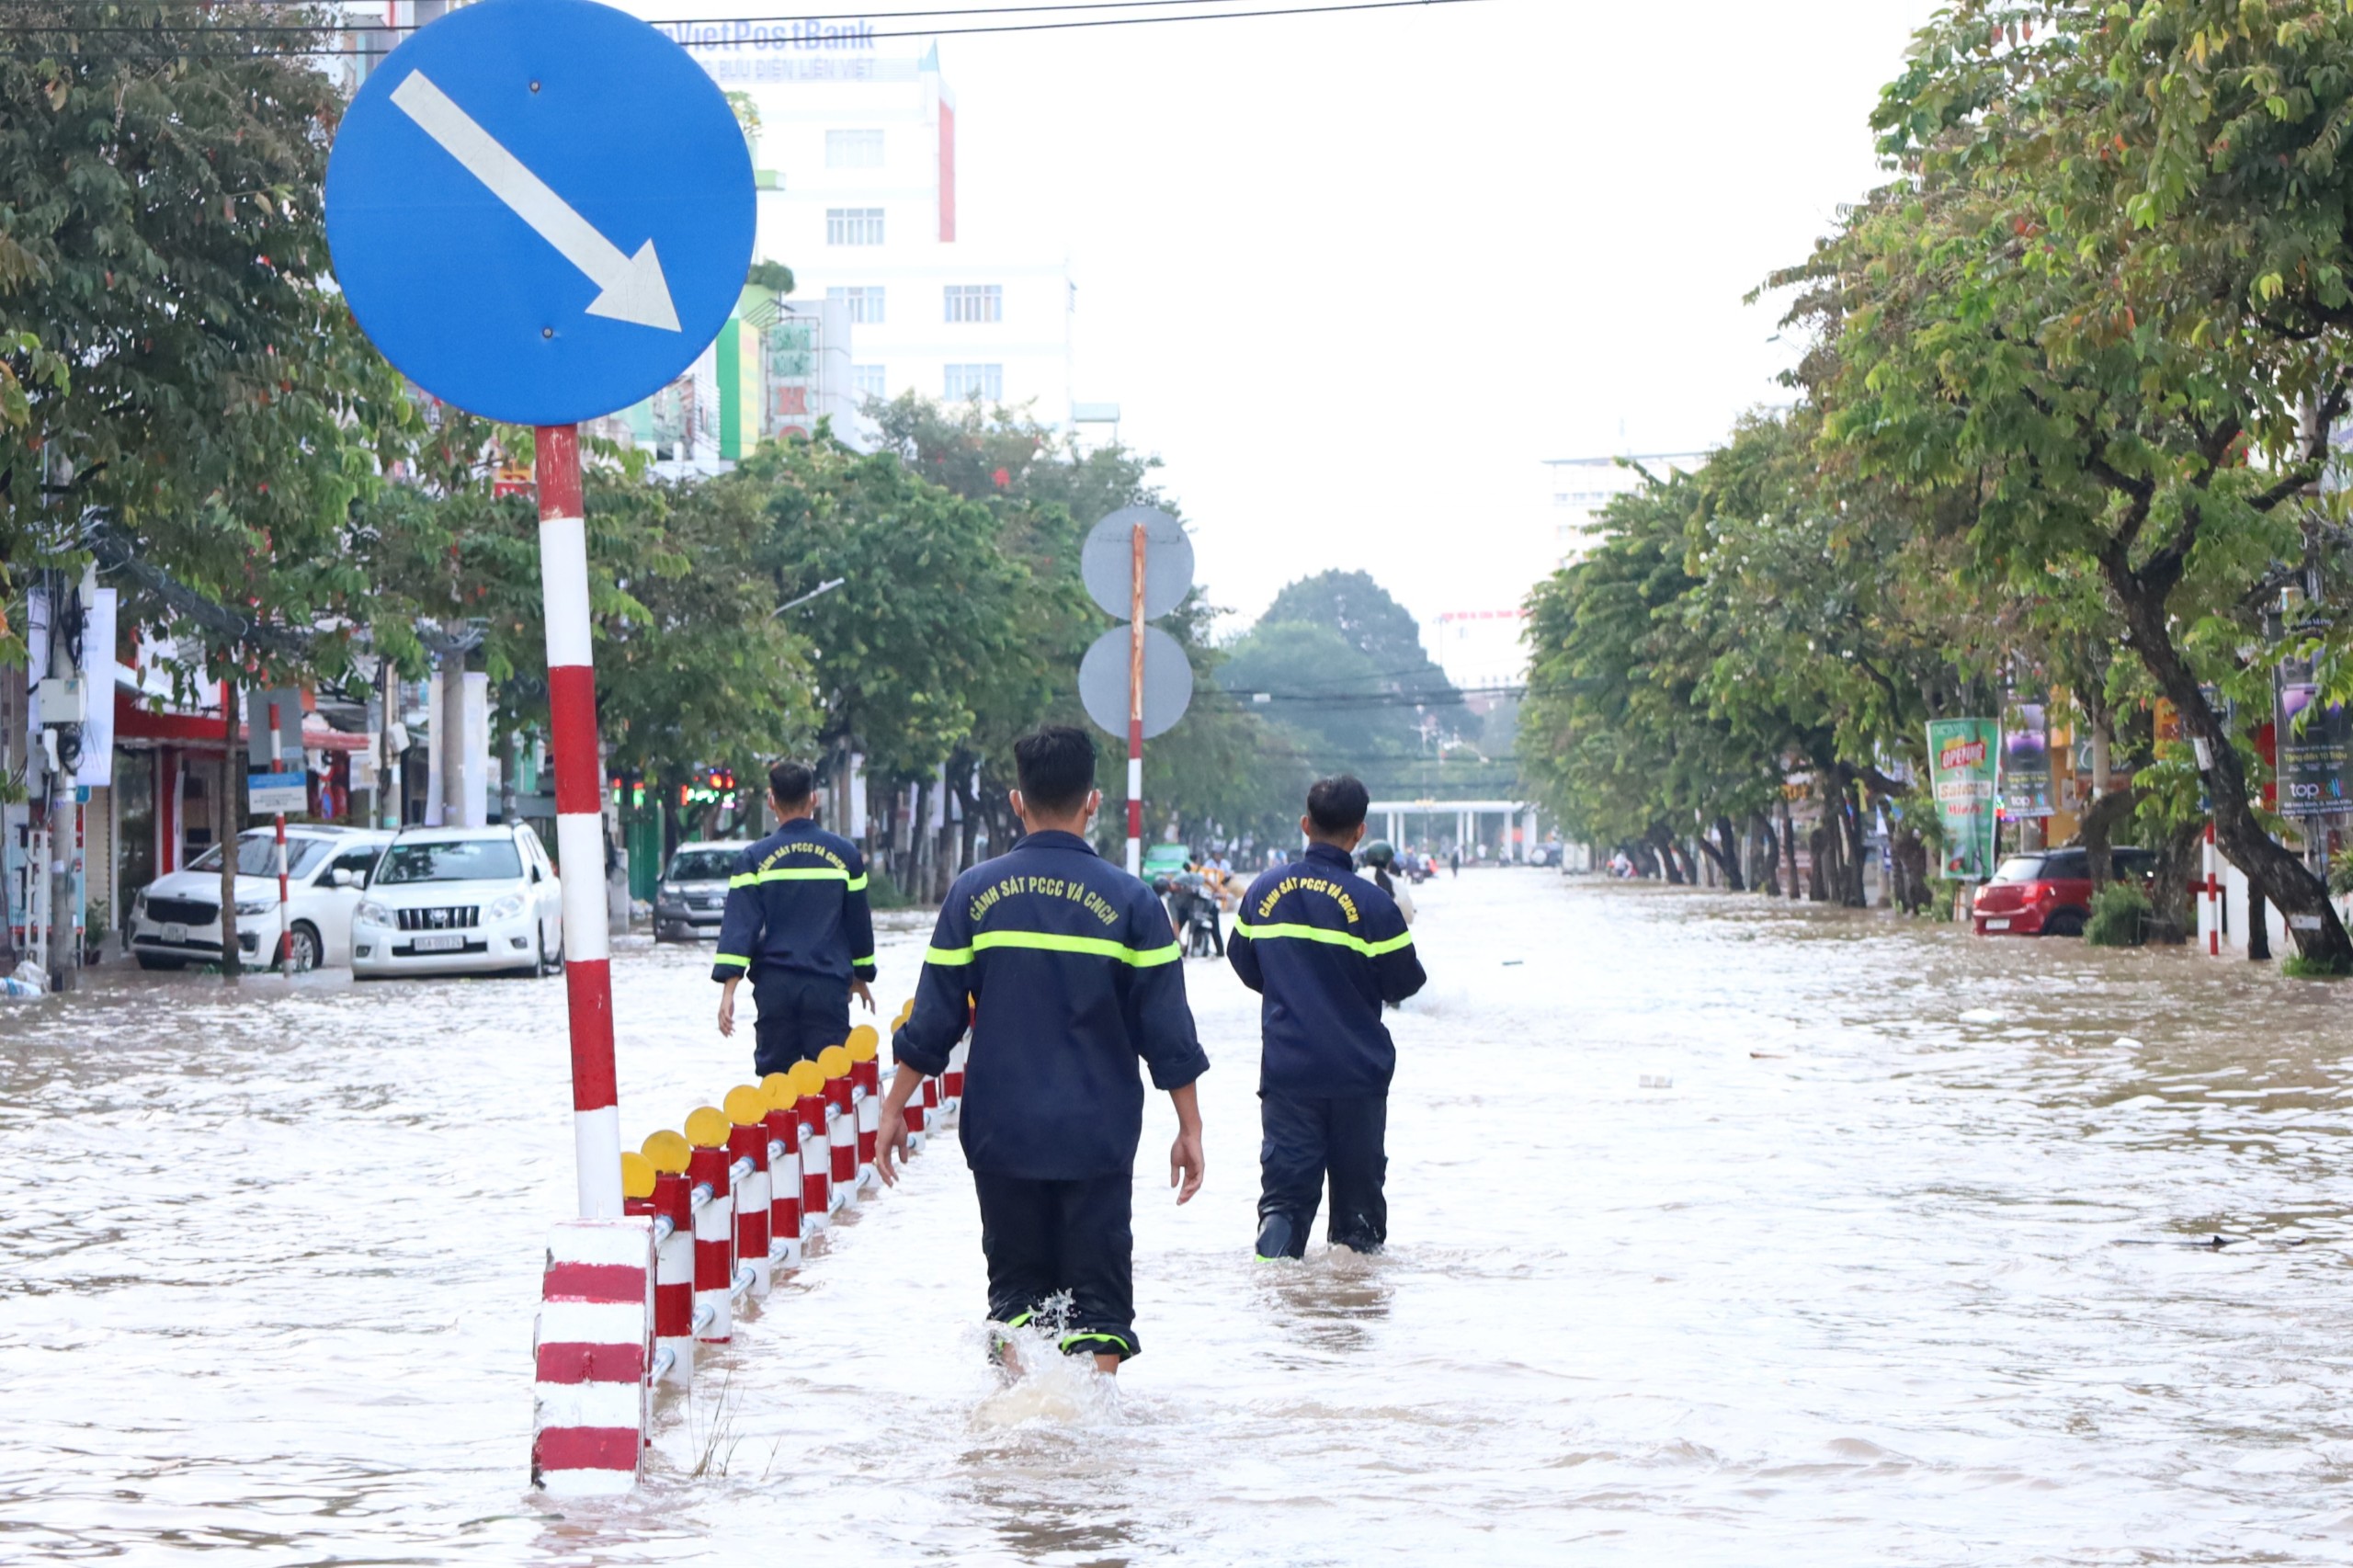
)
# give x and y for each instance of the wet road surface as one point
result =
(1722, 1232)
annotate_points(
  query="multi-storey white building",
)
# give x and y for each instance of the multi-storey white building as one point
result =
(1583, 487)
(857, 153)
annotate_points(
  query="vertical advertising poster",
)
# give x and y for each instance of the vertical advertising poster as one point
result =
(2024, 781)
(2311, 747)
(1960, 774)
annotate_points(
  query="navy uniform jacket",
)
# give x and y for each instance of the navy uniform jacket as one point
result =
(797, 903)
(1325, 948)
(1066, 972)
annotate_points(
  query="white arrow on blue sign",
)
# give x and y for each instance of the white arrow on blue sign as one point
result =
(540, 210)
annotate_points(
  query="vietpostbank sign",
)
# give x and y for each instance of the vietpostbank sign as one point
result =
(788, 36)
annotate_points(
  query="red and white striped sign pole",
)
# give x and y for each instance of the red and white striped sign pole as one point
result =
(579, 820)
(1135, 708)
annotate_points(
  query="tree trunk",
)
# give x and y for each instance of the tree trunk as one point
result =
(1665, 842)
(1790, 845)
(1910, 854)
(2258, 927)
(1769, 864)
(1849, 818)
(2177, 864)
(2101, 819)
(232, 774)
(1731, 858)
(1722, 862)
(2274, 874)
(1818, 876)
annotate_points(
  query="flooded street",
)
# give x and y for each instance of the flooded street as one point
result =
(1722, 1231)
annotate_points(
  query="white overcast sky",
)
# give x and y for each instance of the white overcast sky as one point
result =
(1353, 276)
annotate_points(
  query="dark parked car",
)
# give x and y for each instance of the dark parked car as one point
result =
(692, 900)
(2048, 892)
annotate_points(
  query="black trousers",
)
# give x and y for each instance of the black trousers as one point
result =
(1307, 1140)
(1048, 1238)
(800, 1015)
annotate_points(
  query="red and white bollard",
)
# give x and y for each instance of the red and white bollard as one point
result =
(866, 1098)
(653, 1184)
(748, 1140)
(816, 1154)
(841, 1118)
(579, 821)
(951, 1088)
(917, 1121)
(784, 1172)
(714, 1212)
(2213, 899)
(592, 1353)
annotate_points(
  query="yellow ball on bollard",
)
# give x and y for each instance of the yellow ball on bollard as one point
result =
(777, 1087)
(834, 1062)
(808, 1078)
(746, 1105)
(863, 1044)
(637, 1175)
(667, 1152)
(707, 1126)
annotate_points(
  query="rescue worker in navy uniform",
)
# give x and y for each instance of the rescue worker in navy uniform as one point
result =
(1065, 970)
(1325, 949)
(797, 922)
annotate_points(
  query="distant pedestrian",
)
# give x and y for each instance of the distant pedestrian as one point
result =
(1325, 949)
(1065, 968)
(1454, 862)
(798, 924)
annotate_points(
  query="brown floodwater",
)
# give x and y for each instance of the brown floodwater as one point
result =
(1723, 1232)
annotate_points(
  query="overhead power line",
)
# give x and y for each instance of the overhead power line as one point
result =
(172, 35)
(336, 21)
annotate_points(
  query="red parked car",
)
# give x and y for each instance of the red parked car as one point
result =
(2048, 892)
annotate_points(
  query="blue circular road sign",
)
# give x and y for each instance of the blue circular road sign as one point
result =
(541, 211)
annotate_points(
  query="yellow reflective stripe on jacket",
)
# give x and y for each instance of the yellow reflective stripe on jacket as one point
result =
(1318, 934)
(857, 883)
(796, 874)
(731, 958)
(1048, 941)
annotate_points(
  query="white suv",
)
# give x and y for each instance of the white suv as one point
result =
(175, 920)
(460, 900)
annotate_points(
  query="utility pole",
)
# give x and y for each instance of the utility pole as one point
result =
(65, 706)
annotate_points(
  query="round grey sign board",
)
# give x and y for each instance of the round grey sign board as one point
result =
(1108, 562)
(1167, 681)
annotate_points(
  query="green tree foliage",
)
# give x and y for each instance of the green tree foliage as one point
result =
(176, 370)
(2074, 304)
(1376, 626)
(1222, 771)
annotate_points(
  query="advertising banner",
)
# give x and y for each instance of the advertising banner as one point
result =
(2312, 739)
(1960, 773)
(2025, 771)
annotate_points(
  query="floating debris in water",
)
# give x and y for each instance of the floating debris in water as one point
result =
(1657, 1081)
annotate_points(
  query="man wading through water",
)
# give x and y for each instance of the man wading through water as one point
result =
(1325, 948)
(1065, 970)
(797, 922)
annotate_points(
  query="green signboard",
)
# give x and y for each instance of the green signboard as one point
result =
(1962, 755)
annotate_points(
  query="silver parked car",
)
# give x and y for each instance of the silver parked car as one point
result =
(692, 898)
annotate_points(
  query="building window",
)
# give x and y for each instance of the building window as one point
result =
(853, 225)
(865, 380)
(865, 304)
(975, 301)
(853, 149)
(984, 381)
